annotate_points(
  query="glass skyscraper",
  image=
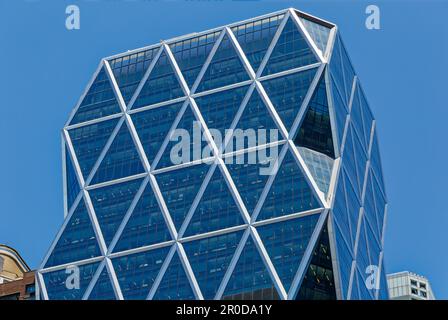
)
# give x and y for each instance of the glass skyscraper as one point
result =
(139, 225)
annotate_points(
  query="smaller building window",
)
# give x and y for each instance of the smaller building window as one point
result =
(413, 283)
(423, 294)
(414, 291)
(422, 285)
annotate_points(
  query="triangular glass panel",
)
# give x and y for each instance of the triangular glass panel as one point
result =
(286, 243)
(374, 246)
(137, 272)
(183, 147)
(355, 287)
(56, 282)
(89, 141)
(255, 37)
(375, 161)
(175, 284)
(315, 130)
(349, 73)
(291, 51)
(364, 292)
(216, 209)
(366, 115)
(190, 54)
(111, 204)
(219, 109)
(320, 166)
(383, 293)
(100, 100)
(77, 241)
(209, 258)
(369, 207)
(121, 160)
(289, 193)
(153, 125)
(250, 279)
(362, 255)
(179, 189)
(344, 255)
(356, 119)
(353, 206)
(130, 69)
(361, 159)
(339, 110)
(255, 126)
(71, 182)
(336, 70)
(146, 225)
(349, 162)
(318, 32)
(103, 289)
(340, 211)
(250, 172)
(380, 204)
(318, 280)
(161, 85)
(224, 69)
(287, 94)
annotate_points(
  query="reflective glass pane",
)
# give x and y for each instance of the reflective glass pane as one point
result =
(175, 284)
(345, 258)
(291, 51)
(72, 184)
(209, 258)
(339, 110)
(100, 100)
(349, 73)
(77, 241)
(152, 127)
(340, 212)
(111, 204)
(318, 33)
(318, 280)
(320, 166)
(161, 85)
(219, 109)
(353, 206)
(336, 70)
(186, 142)
(250, 172)
(179, 189)
(216, 209)
(315, 130)
(103, 289)
(129, 70)
(287, 94)
(190, 54)
(289, 193)
(286, 243)
(225, 68)
(250, 277)
(121, 160)
(89, 141)
(256, 36)
(255, 126)
(145, 226)
(137, 272)
(56, 282)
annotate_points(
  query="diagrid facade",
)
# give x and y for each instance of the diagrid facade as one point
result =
(162, 203)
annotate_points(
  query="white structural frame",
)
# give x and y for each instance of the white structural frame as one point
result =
(285, 143)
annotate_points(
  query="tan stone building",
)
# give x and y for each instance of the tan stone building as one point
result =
(16, 279)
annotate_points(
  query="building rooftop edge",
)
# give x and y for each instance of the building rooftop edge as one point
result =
(197, 34)
(10, 251)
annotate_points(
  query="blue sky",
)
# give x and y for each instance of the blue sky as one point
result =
(402, 67)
